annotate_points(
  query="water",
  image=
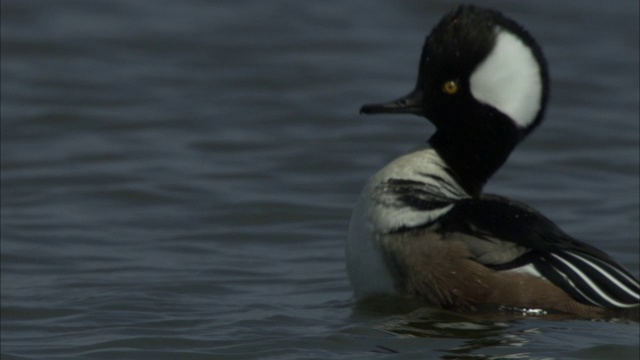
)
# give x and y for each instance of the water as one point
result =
(177, 177)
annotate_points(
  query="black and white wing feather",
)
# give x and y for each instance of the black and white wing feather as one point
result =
(508, 235)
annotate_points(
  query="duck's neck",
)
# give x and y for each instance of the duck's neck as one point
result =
(472, 159)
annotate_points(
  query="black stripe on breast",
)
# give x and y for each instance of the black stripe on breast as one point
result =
(416, 194)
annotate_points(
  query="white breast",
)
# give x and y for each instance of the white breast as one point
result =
(379, 212)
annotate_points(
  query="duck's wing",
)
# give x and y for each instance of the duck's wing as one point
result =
(505, 235)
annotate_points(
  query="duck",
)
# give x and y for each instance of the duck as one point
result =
(424, 229)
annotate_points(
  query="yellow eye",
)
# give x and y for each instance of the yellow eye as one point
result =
(450, 87)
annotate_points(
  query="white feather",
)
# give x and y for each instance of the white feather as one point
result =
(510, 79)
(606, 274)
(526, 269)
(592, 285)
(378, 213)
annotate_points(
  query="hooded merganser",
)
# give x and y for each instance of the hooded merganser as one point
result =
(422, 227)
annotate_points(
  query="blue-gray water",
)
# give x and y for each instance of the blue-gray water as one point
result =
(178, 176)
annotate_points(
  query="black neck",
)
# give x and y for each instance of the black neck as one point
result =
(475, 156)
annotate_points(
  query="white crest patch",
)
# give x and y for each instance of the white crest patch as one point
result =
(510, 79)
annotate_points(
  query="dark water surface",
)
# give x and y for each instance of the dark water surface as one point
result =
(178, 176)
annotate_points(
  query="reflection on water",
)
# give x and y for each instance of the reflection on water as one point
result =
(487, 333)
